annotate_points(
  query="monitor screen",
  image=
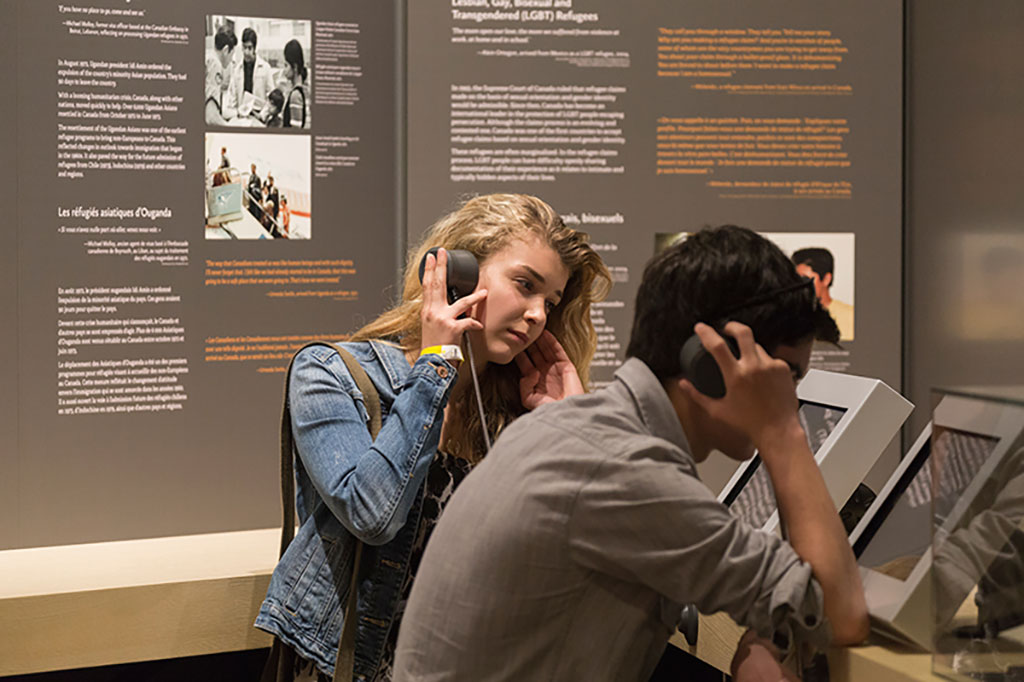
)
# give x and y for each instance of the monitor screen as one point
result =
(900, 532)
(753, 499)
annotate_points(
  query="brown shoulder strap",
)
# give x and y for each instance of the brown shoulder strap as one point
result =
(366, 387)
(372, 400)
(344, 664)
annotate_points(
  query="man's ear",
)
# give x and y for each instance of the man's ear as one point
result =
(827, 280)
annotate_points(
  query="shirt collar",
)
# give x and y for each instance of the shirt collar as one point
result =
(392, 359)
(652, 402)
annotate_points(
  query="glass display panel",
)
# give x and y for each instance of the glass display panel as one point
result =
(901, 530)
(977, 536)
(982, 547)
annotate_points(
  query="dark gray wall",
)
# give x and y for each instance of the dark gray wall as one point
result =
(964, 304)
(9, 404)
(964, 298)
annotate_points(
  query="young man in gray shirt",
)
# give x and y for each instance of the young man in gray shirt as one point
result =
(570, 550)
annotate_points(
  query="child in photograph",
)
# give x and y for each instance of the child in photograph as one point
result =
(270, 114)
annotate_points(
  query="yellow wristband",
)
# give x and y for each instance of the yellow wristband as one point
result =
(447, 352)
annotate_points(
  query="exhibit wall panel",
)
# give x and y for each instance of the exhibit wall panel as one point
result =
(965, 208)
(641, 122)
(156, 301)
(163, 280)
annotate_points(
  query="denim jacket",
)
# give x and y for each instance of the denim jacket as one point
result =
(347, 486)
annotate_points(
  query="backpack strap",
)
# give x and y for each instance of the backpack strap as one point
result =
(344, 664)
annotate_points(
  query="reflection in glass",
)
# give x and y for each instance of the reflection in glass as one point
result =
(901, 532)
(983, 548)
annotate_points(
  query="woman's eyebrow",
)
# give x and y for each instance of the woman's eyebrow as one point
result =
(536, 275)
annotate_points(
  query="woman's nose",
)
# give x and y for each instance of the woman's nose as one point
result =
(535, 311)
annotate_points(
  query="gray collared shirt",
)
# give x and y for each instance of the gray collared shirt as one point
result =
(569, 551)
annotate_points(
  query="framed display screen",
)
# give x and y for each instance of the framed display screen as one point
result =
(848, 420)
(753, 499)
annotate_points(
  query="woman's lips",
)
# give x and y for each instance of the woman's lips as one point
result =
(523, 338)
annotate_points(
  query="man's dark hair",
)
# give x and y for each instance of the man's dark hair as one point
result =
(714, 276)
(818, 259)
(249, 36)
(225, 37)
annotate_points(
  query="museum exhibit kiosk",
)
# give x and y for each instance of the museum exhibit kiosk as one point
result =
(849, 421)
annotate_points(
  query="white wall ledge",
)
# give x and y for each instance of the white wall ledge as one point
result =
(77, 606)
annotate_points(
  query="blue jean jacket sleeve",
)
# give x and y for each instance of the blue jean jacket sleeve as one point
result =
(368, 485)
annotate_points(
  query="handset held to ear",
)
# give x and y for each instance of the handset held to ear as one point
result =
(462, 275)
(700, 367)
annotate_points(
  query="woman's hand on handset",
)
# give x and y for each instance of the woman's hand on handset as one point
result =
(760, 394)
(548, 373)
(440, 322)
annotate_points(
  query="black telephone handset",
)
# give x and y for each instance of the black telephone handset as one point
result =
(463, 272)
(462, 275)
(701, 368)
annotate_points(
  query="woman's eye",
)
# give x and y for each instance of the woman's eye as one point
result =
(549, 307)
(525, 283)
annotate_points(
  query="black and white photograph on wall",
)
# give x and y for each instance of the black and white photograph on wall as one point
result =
(257, 186)
(825, 257)
(258, 72)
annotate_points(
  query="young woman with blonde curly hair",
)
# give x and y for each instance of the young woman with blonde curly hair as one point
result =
(529, 325)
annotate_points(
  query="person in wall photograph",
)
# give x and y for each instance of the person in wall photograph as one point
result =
(296, 107)
(252, 80)
(273, 196)
(255, 189)
(284, 217)
(817, 263)
(218, 74)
